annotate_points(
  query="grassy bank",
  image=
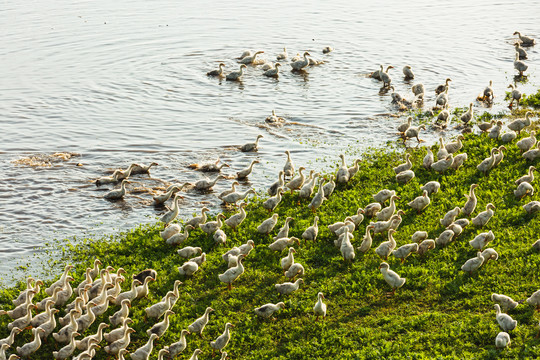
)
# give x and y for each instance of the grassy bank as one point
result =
(439, 312)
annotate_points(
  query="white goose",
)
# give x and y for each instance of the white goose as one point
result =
(391, 278)
(483, 218)
(473, 263)
(320, 308)
(301, 64)
(505, 321)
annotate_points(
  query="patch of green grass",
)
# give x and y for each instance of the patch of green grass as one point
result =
(440, 312)
(532, 100)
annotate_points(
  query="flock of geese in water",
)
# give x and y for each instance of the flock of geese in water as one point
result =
(101, 288)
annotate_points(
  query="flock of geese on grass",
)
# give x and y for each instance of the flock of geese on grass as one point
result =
(102, 288)
(298, 63)
(441, 91)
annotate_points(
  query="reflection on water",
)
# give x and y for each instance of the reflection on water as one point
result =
(122, 82)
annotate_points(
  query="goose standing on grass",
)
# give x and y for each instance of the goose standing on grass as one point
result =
(406, 166)
(425, 246)
(288, 287)
(502, 340)
(120, 344)
(432, 187)
(251, 146)
(180, 237)
(11, 338)
(521, 51)
(485, 126)
(170, 230)
(29, 348)
(283, 55)
(274, 72)
(468, 115)
(527, 143)
(483, 218)
(236, 220)
(197, 220)
(487, 164)
(161, 327)
(523, 190)
(222, 340)
(473, 263)
(117, 194)
(212, 226)
(236, 75)
(284, 231)
(505, 321)
(320, 308)
(386, 79)
(386, 247)
(67, 350)
(405, 176)
(527, 178)
(309, 185)
(367, 241)
(171, 215)
(481, 240)
(342, 175)
(383, 195)
(301, 64)
(281, 244)
(506, 302)
(520, 124)
(346, 248)
(515, 95)
(386, 213)
(218, 72)
(450, 216)
(407, 71)
(311, 232)
(470, 204)
(179, 346)
(234, 197)
(391, 278)
(520, 65)
(525, 40)
(329, 187)
(243, 174)
(233, 273)
(198, 325)
(144, 351)
(404, 251)
(268, 225)
(318, 199)
(428, 159)
(297, 182)
(439, 89)
(25, 320)
(420, 202)
(272, 190)
(269, 309)
(251, 59)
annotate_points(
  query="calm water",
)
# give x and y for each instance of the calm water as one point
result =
(121, 82)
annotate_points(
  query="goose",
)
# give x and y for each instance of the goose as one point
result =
(244, 54)
(222, 340)
(502, 340)
(142, 169)
(443, 116)
(386, 213)
(418, 89)
(525, 40)
(161, 327)
(320, 308)
(534, 299)
(405, 176)
(344, 233)
(142, 290)
(420, 202)
(354, 169)
(289, 287)
(236, 220)
(49, 325)
(284, 231)
(206, 184)
(180, 237)
(162, 353)
(515, 95)
(251, 59)
(282, 243)
(118, 333)
(445, 237)
(29, 348)
(346, 248)
(505, 321)
(527, 143)
(79, 303)
(232, 273)
(508, 136)
(533, 153)
(269, 309)
(413, 132)
(23, 321)
(294, 270)
(482, 240)
(219, 237)
(288, 168)
(113, 179)
(442, 153)
(40, 305)
(297, 182)
(404, 251)
(523, 190)
(487, 164)
(432, 187)
(189, 251)
(272, 190)
(470, 204)
(234, 197)
(65, 293)
(382, 226)
(209, 167)
(377, 73)
(529, 178)
(462, 222)
(274, 119)
(124, 174)
(22, 309)
(309, 186)
(302, 63)
(319, 197)
(391, 278)
(211, 227)
(236, 75)
(520, 65)
(158, 309)
(520, 124)
(171, 190)
(396, 97)
(425, 246)
(198, 325)
(453, 147)
(218, 72)
(450, 216)
(3, 349)
(329, 187)
(338, 227)
(366, 241)
(406, 166)
(130, 295)
(118, 317)
(522, 52)
(60, 282)
(274, 72)
(67, 350)
(371, 209)
(143, 353)
(384, 195)
(428, 159)
(404, 126)
(21, 299)
(195, 354)
(532, 207)
(488, 93)
(84, 321)
(386, 79)
(311, 232)
(11, 338)
(176, 348)
(82, 285)
(283, 55)
(117, 194)
(386, 247)
(483, 218)
(439, 89)
(225, 193)
(407, 71)
(418, 236)
(122, 343)
(485, 126)
(358, 217)
(489, 254)
(171, 215)
(268, 225)
(442, 98)
(456, 228)
(195, 221)
(458, 161)
(251, 146)
(473, 263)
(244, 173)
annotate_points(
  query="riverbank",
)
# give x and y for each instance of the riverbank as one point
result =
(440, 311)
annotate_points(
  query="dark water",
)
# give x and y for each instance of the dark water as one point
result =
(121, 82)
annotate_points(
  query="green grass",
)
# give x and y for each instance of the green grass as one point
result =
(532, 100)
(440, 312)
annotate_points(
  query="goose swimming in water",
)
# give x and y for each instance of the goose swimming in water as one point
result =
(522, 53)
(386, 79)
(250, 59)
(301, 64)
(218, 72)
(273, 72)
(439, 89)
(251, 146)
(525, 40)
(142, 169)
(117, 194)
(520, 65)
(236, 75)
(407, 71)
(283, 55)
